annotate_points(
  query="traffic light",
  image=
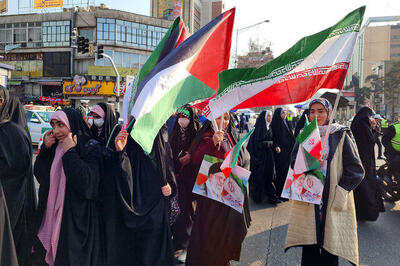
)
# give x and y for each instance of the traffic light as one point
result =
(83, 45)
(80, 43)
(100, 51)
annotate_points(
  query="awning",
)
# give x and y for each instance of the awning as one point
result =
(50, 82)
(14, 82)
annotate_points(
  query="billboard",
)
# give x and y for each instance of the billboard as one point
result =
(3, 6)
(39, 4)
(169, 9)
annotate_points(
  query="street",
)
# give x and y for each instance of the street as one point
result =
(265, 240)
(378, 241)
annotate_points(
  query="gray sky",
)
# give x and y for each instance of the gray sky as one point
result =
(290, 20)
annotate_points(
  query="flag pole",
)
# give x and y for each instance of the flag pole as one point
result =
(331, 119)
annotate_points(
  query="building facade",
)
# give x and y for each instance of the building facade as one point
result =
(210, 9)
(195, 13)
(42, 49)
(377, 45)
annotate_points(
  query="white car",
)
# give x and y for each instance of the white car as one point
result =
(38, 123)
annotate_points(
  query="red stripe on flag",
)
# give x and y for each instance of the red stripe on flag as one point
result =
(316, 151)
(295, 90)
(213, 57)
(183, 33)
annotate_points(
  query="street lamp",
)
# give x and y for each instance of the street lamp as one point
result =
(243, 29)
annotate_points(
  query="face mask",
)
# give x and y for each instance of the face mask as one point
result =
(183, 122)
(90, 121)
(98, 122)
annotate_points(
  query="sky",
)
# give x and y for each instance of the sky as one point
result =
(290, 20)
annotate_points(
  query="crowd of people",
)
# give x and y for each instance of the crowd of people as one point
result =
(103, 201)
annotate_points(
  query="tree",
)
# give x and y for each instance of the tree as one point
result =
(392, 84)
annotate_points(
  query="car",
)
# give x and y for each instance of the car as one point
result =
(38, 118)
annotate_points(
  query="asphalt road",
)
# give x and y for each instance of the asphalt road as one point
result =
(264, 244)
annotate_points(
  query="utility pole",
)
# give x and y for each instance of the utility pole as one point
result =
(100, 54)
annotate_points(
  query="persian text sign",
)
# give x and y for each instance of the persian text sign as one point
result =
(47, 3)
(90, 87)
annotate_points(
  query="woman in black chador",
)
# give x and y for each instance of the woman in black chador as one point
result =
(284, 139)
(261, 148)
(68, 169)
(17, 200)
(135, 203)
(104, 124)
(181, 139)
(366, 196)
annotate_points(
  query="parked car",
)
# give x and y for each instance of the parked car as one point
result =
(38, 118)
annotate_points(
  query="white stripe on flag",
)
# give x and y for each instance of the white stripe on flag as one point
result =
(157, 87)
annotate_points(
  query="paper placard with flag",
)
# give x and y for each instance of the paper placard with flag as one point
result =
(232, 155)
(212, 183)
(178, 73)
(305, 182)
(319, 61)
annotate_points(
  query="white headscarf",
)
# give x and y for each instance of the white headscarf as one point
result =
(268, 112)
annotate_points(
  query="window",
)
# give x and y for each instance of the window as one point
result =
(5, 33)
(395, 37)
(395, 45)
(87, 33)
(56, 33)
(125, 33)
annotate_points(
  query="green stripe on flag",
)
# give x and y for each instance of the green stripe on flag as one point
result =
(307, 131)
(312, 162)
(237, 147)
(186, 91)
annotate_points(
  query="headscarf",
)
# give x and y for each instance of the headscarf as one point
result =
(49, 231)
(325, 103)
(267, 124)
(51, 224)
(110, 121)
(179, 142)
(5, 98)
(361, 124)
(12, 110)
(277, 123)
(98, 110)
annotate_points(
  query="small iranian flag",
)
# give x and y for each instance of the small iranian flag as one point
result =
(310, 139)
(232, 156)
(309, 149)
(309, 187)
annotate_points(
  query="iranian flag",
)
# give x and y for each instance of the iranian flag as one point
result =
(310, 148)
(232, 156)
(187, 72)
(319, 61)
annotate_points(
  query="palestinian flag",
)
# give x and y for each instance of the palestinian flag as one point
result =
(187, 73)
(232, 156)
(176, 34)
(315, 62)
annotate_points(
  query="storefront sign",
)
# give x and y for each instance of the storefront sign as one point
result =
(109, 71)
(21, 57)
(80, 86)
